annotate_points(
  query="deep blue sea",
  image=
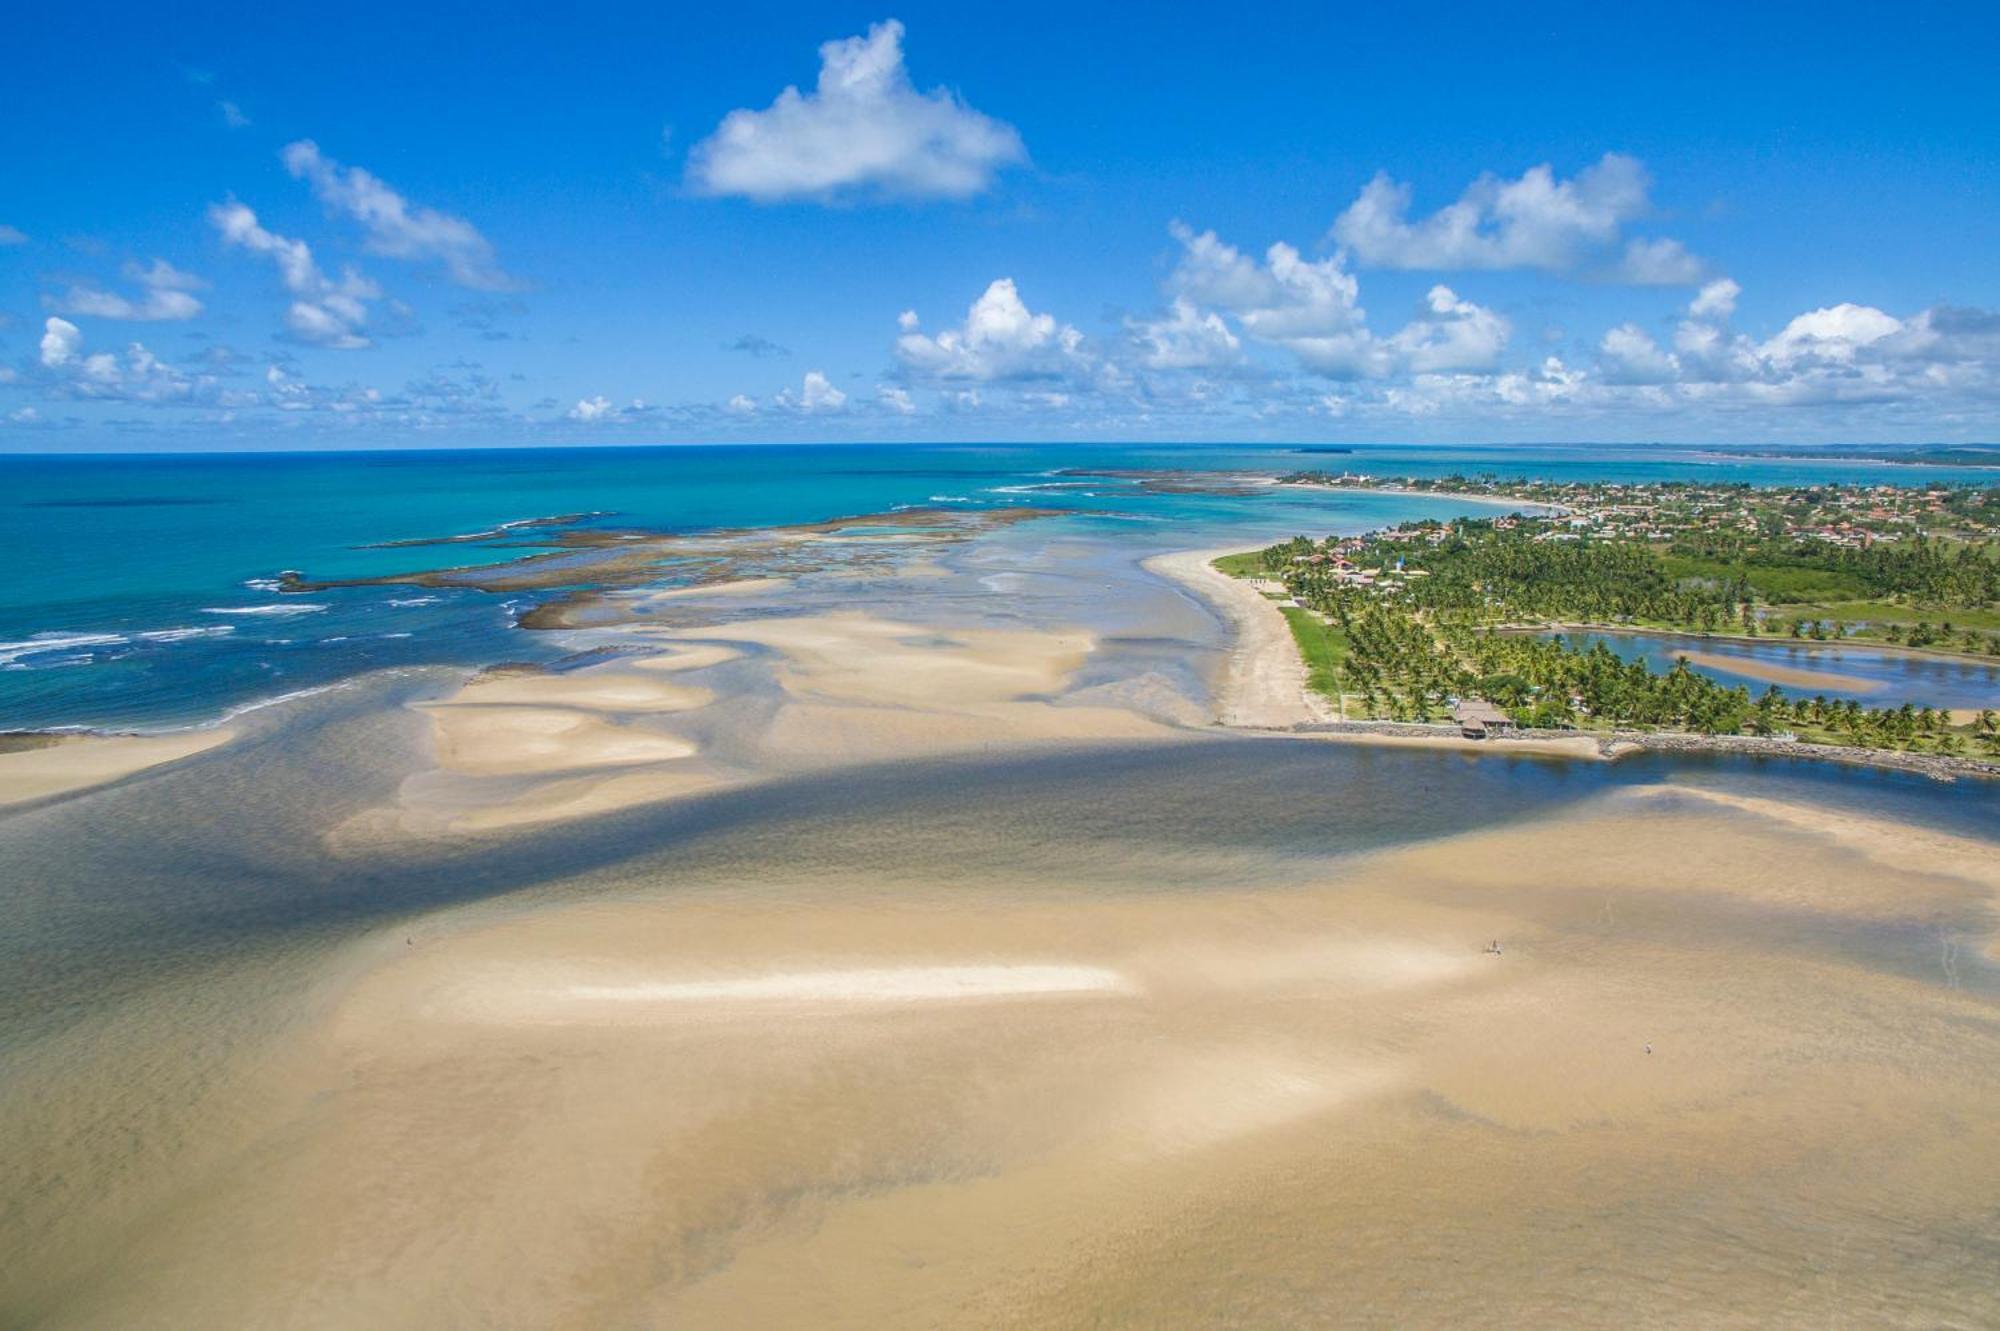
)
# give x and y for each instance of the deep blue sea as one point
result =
(137, 590)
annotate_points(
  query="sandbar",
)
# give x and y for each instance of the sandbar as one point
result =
(1772, 672)
(80, 762)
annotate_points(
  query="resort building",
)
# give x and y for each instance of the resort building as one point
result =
(1478, 718)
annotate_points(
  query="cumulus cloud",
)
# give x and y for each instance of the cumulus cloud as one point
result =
(1450, 334)
(741, 405)
(60, 341)
(816, 395)
(1311, 308)
(589, 409)
(1660, 263)
(1001, 340)
(1534, 221)
(896, 400)
(864, 129)
(1186, 338)
(137, 376)
(392, 225)
(1629, 355)
(1843, 354)
(326, 312)
(1837, 333)
(165, 294)
(1716, 300)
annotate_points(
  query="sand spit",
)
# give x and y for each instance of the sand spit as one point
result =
(1773, 672)
(69, 763)
(930, 1098)
(1265, 682)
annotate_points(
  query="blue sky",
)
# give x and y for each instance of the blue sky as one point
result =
(235, 228)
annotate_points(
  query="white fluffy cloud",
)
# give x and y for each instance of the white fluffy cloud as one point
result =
(325, 312)
(1002, 340)
(393, 226)
(165, 294)
(896, 400)
(1716, 300)
(589, 409)
(1312, 309)
(1844, 354)
(1836, 334)
(1629, 355)
(1661, 262)
(1534, 221)
(740, 405)
(1186, 338)
(816, 395)
(60, 341)
(137, 376)
(1451, 334)
(864, 129)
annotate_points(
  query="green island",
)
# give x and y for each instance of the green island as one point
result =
(1430, 621)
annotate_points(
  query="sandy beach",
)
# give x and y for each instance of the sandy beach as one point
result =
(1264, 686)
(70, 763)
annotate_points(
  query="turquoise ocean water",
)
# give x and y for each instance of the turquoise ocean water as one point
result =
(137, 590)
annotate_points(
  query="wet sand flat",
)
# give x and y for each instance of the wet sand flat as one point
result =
(938, 1097)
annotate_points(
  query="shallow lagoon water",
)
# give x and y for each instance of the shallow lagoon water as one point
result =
(1885, 678)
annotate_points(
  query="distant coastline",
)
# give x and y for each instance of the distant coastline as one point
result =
(1975, 458)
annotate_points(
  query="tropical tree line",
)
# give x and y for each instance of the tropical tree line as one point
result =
(1413, 647)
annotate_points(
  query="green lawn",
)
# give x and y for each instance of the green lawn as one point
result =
(1249, 564)
(1774, 582)
(1887, 612)
(1323, 646)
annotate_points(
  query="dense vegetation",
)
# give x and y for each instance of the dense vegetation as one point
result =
(1429, 627)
